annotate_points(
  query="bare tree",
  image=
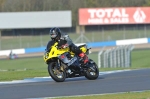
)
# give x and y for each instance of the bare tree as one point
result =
(1, 5)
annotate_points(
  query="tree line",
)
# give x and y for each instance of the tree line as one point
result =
(73, 5)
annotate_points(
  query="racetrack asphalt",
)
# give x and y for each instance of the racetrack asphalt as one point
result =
(132, 80)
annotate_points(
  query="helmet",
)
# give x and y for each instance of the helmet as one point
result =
(55, 33)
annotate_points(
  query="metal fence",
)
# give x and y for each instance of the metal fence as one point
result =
(116, 57)
(28, 39)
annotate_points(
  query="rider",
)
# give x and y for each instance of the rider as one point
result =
(65, 41)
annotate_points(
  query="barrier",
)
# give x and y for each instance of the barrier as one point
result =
(34, 50)
(93, 45)
(132, 41)
(101, 44)
(119, 56)
(16, 51)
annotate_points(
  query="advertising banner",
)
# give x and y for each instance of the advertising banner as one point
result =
(39, 19)
(128, 15)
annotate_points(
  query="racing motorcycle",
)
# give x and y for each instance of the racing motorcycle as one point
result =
(62, 63)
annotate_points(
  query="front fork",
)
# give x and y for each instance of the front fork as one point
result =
(60, 65)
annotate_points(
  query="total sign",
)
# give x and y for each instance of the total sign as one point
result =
(130, 15)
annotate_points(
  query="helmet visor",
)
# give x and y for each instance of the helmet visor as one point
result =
(53, 35)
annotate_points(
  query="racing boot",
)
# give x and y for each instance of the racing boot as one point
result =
(83, 57)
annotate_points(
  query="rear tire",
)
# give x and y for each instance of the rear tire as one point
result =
(57, 75)
(90, 74)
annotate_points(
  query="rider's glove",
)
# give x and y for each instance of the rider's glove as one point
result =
(64, 46)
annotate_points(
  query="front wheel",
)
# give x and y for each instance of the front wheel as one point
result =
(55, 73)
(92, 72)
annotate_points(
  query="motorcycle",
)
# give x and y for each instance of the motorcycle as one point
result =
(62, 64)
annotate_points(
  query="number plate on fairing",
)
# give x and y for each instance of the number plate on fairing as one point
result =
(66, 60)
(72, 61)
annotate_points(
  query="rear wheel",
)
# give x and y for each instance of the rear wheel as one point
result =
(55, 73)
(92, 72)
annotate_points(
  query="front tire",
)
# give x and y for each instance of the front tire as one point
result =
(56, 74)
(90, 74)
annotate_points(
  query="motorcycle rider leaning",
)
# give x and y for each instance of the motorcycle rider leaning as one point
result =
(64, 41)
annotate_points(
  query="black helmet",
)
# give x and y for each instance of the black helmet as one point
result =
(55, 33)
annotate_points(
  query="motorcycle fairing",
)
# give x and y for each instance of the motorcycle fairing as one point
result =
(67, 60)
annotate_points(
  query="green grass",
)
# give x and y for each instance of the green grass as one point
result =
(22, 68)
(36, 63)
(141, 59)
(37, 41)
(19, 75)
(128, 95)
(35, 67)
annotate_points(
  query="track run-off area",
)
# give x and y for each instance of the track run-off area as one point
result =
(108, 82)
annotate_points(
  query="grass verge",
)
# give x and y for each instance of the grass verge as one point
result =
(35, 67)
(127, 95)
